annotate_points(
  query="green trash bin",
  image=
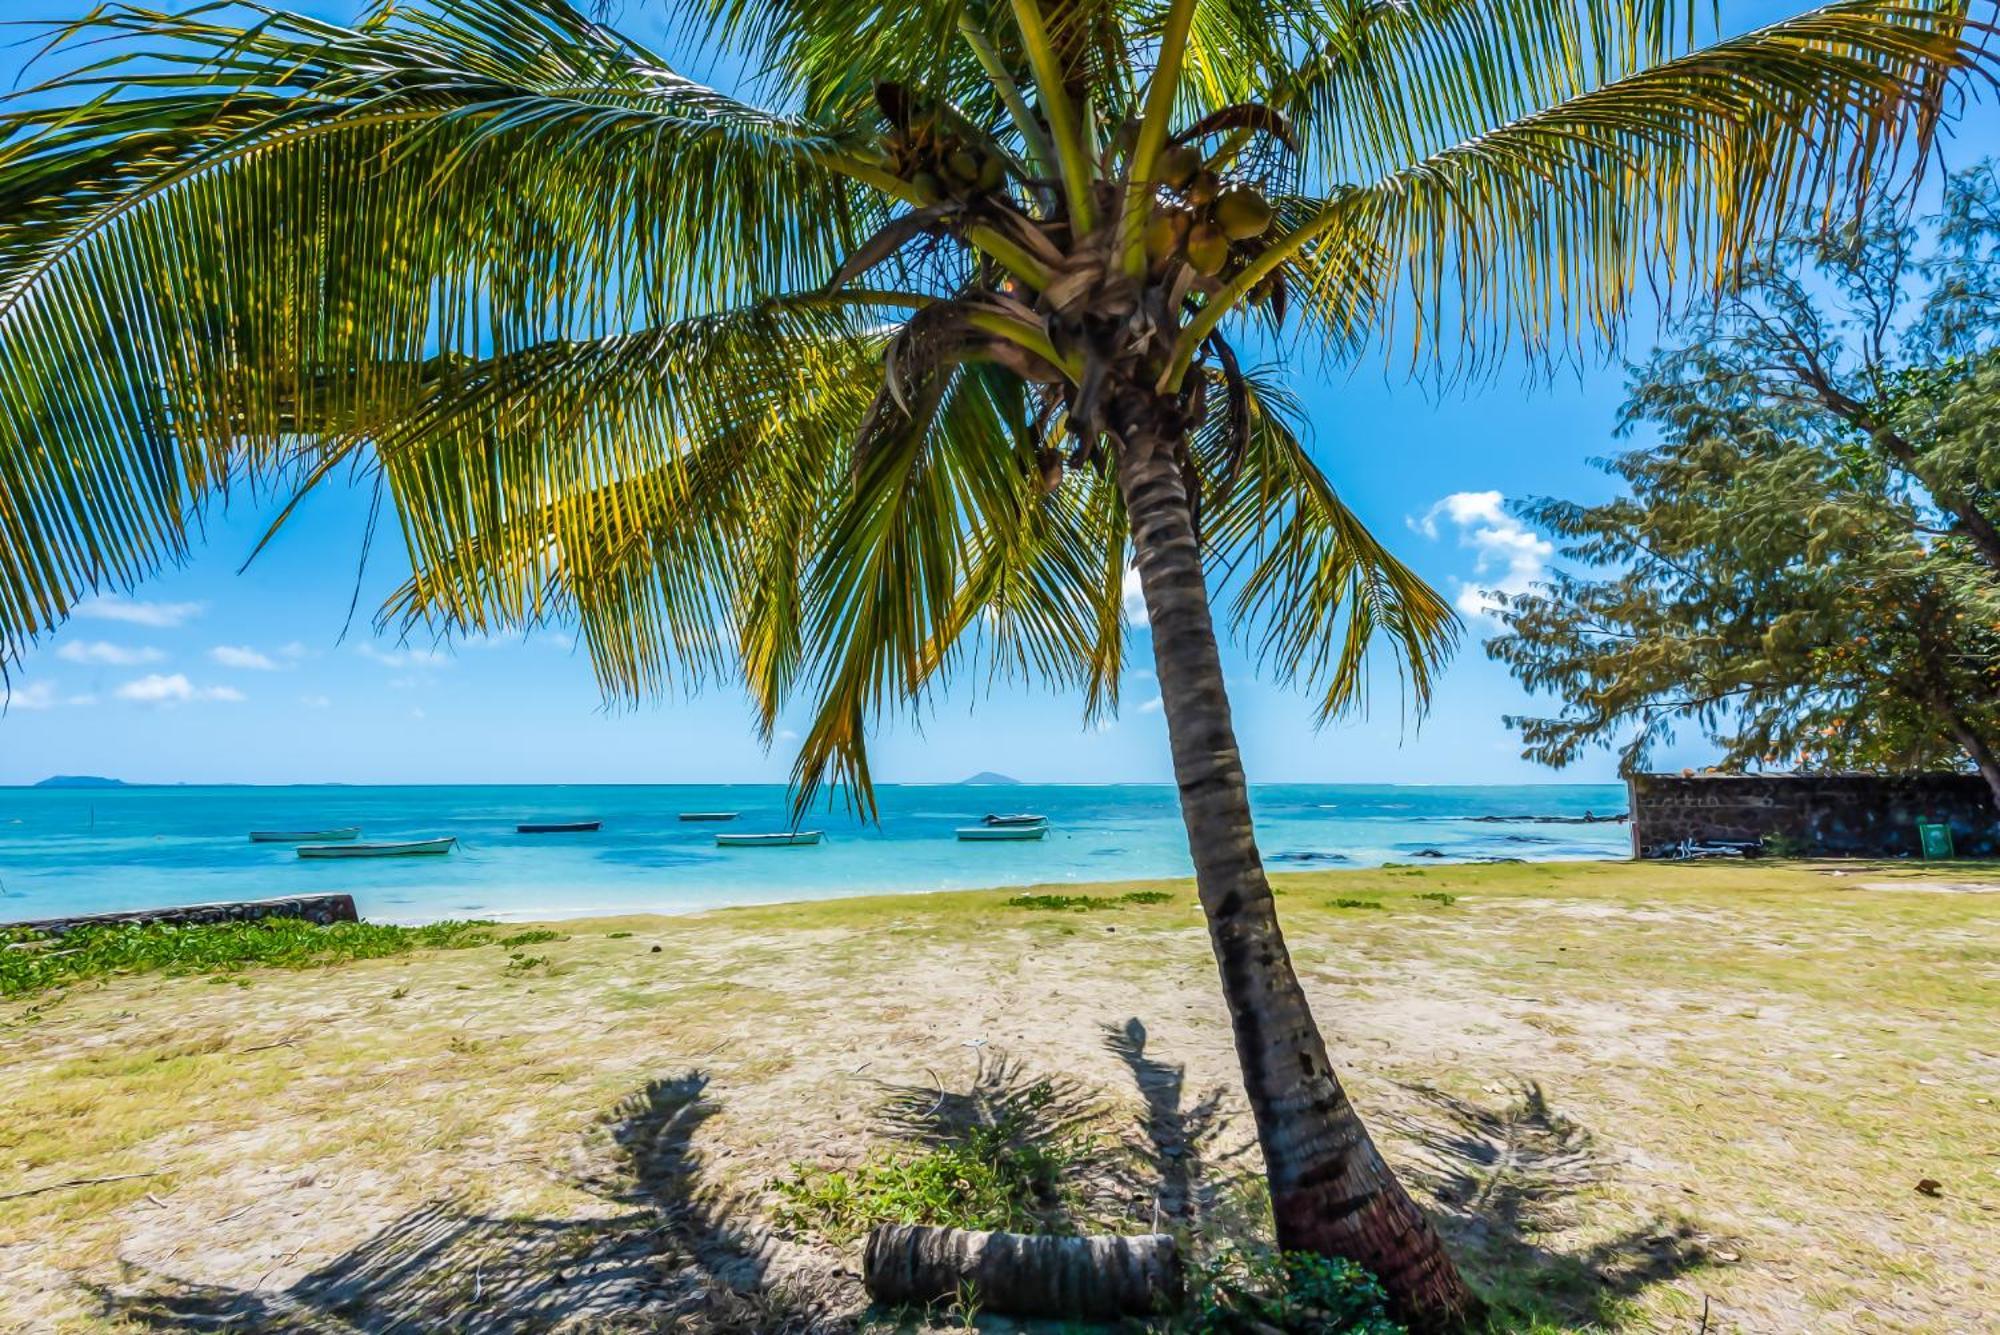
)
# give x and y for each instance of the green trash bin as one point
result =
(1935, 838)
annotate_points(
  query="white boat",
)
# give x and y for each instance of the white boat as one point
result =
(333, 836)
(796, 839)
(1000, 834)
(1014, 819)
(416, 848)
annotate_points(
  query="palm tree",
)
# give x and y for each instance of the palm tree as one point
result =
(897, 377)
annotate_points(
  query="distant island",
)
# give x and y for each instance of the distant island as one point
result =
(989, 779)
(80, 781)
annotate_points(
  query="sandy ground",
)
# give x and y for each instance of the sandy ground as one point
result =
(1640, 1098)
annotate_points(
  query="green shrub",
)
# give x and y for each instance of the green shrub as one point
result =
(1062, 903)
(1439, 897)
(532, 937)
(1146, 897)
(1357, 903)
(31, 961)
(1298, 1293)
(991, 1176)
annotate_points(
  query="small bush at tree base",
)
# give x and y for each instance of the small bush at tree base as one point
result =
(1439, 897)
(1357, 903)
(1298, 1293)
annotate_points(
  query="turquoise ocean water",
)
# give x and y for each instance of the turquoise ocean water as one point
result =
(74, 850)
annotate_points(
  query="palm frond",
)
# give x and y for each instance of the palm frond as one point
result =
(1313, 589)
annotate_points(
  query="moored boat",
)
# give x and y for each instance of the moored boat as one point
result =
(559, 827)
(1014, 819)
(1000, 834)
(708, 815)
(411, 849)
(795, 839)
(332, 836)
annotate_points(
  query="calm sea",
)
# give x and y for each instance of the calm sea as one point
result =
(69, 851)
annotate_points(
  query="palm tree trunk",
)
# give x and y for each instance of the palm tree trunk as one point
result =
(1330, 1190)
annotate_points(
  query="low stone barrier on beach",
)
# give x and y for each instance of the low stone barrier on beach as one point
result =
(321, 909)
(1819, 815)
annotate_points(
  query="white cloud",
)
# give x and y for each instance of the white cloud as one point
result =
(1152, 706)
(35, 695)
(404, 658)
(105, 654)
(81, 700)
(1135, 600)
(418, 714)
(242, 656)
(294, 651)
(787, 735)
(316, 702)
(160, 689)
(1509, 556)
(160, 616)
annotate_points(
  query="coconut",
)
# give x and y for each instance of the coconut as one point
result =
(992, 173)
(962, 165)
(1202, 189)
(1207, 249)
(1242, 212)
(1177, 165)
(928, 187)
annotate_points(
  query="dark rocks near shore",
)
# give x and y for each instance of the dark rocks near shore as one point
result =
(321, 909)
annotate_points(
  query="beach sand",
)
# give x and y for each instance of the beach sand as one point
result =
(1649, 1095)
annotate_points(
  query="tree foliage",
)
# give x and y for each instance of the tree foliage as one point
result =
(823, 387)
(1799, 569)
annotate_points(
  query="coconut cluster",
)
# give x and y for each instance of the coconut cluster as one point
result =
(939, 162)
(1204, 221)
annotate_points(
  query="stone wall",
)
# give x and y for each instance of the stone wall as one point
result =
(322, 909)
(1826, 815)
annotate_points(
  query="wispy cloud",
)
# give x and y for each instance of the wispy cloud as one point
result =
(1152, 706)
(160, 616)
(1135, 600)
(35, 695)
(1509, 556)
(404, 658)
(316, 702)
(103, 653)
(242, 656)
(163, 689)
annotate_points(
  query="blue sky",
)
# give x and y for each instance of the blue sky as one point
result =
(208, 674)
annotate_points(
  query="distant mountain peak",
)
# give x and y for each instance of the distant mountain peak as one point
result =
(79, 781)
(989, 779)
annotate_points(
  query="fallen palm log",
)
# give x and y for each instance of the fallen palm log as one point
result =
(1022, 1274)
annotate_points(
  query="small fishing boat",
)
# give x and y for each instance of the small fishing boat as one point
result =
(559, 827)
(333, 836)
(708, 815)
(1013, 819)
(795, 839)
(414, 849)
(997, 834)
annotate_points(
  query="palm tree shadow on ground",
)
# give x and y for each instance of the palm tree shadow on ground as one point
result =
(1502, 1181)
(676, 1257)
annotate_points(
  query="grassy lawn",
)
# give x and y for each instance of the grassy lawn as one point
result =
(1634, 1095)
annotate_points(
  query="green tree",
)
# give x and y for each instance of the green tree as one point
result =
(1803, 569)
(901, 372)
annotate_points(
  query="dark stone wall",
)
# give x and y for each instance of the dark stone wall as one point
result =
(322, 909)
(1829, 815)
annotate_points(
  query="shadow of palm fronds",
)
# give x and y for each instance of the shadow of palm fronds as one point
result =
(677, 1257)
(1506, 1178)
(1172, 1174)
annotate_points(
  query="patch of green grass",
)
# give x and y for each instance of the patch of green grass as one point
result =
(1345, 903)
(992, 1176)
(616, 936)
(33, 961)
(520, 961)
(532, 937)
(1087, 903)
(1438, 897)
